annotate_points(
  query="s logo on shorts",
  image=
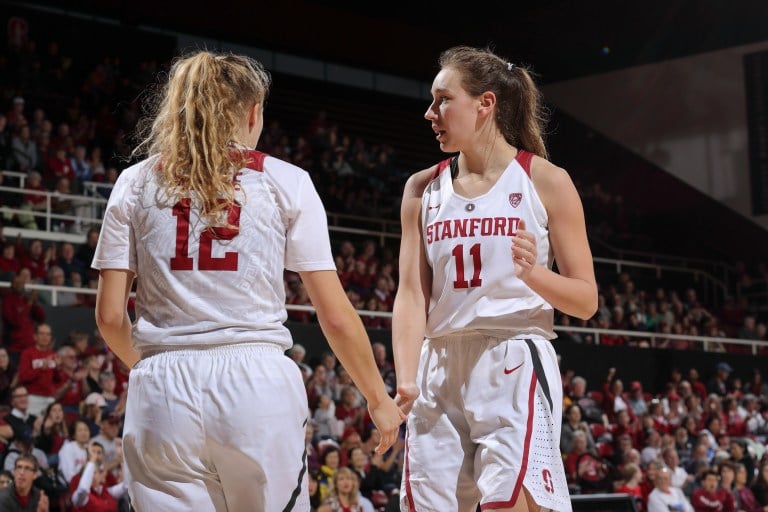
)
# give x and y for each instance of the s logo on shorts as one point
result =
(549, 484)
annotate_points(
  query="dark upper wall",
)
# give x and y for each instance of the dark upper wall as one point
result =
(561, 39)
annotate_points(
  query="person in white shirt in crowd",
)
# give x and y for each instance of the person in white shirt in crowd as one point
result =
(73, 455)
(679, 477)
(666, 498)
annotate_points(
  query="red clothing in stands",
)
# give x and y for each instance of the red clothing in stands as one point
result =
(37, 371)
(11, 266)
(37, 267)
(101, 502)
(719, 501)
(20, 317)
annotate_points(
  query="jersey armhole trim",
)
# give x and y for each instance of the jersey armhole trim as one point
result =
(524, 159)
(441, 167)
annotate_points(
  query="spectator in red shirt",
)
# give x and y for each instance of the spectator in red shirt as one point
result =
(90, 488)
(20, 312)
(632, 477)
(709, 498)
(735, 424)
(37, 260)
(382, 293)
(9, 265)
(578, 448)
(350, 411)
(37, 370)
(59, 166)
(697, 386)
(72, 388)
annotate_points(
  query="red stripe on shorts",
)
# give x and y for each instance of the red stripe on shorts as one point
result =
(526, 448)
(408, 492)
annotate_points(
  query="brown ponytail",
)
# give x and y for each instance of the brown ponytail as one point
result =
(519, 113)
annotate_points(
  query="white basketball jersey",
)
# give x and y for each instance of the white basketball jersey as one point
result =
(468, 245)
(218, 285)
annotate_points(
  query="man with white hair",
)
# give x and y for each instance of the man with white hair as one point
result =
(665, 497)
(297, 352)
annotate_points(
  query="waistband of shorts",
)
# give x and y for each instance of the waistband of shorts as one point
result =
(476, 336)
(224, 349)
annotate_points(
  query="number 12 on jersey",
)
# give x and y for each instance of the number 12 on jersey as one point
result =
(182, 260)
(458, 256)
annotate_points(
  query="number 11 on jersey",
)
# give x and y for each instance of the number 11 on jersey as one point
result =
(458, 256)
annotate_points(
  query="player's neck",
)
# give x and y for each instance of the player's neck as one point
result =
(487, 157)
(487, 160)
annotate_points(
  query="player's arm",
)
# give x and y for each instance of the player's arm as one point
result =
(409, 318)
(347, 337)
(112, 313)
(573, 290)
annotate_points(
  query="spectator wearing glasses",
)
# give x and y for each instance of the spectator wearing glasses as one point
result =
(20, 496)
(20, 419)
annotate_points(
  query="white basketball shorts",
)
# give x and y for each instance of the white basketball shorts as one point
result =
(215, 429)
(487, 424)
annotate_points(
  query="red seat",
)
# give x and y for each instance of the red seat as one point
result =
(596, 395)
(597, 430)
(605, 450)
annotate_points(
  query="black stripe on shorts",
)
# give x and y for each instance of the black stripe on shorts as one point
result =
(540, 375)
(297, 490)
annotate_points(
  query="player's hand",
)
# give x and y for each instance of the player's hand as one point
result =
(406, 396)
(387, 417)
(524, 252)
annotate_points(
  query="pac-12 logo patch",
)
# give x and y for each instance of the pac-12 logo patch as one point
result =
(515, 198)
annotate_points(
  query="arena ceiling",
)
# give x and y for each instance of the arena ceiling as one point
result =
(560, 39)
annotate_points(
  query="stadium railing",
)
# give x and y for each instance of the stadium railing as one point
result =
(655, 339)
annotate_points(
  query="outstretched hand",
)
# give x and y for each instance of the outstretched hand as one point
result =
(387, 417)
(406, 396)
(524, 252)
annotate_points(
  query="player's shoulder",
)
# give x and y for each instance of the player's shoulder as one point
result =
(545, 173)
(274, 167)
(419, 180)
(139, 169)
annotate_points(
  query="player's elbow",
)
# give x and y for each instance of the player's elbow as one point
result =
(339, 323)
(108, 318)
(587, 307)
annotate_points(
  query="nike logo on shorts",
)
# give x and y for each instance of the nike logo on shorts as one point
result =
(507, 371)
